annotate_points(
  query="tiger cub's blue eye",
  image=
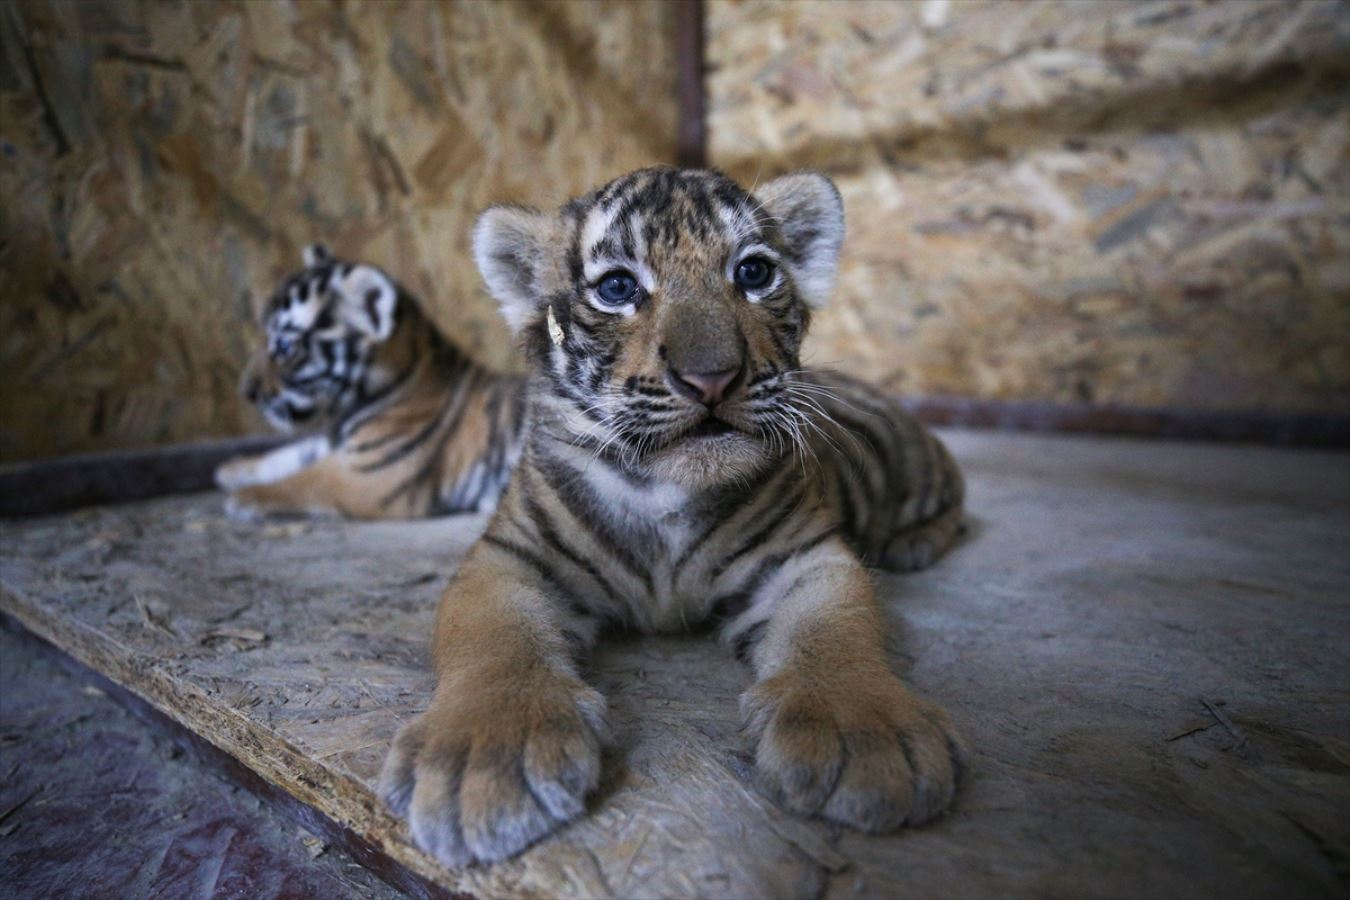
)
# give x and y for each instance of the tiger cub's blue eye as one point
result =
(617, 288)
(753, 273)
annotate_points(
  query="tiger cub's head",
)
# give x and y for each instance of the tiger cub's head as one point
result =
(665, 312)
(321, 325)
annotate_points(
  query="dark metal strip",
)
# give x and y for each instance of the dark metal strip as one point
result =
(57, 485)
(691, 142)
(69, 482)
(1286, 429)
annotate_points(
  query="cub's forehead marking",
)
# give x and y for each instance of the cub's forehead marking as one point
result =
(613, 235)
(690, 210)
(596, 227)
(301, 301)
(740, 224)
(297, 309)
(608, 245)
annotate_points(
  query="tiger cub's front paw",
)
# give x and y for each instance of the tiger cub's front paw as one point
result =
(240, 508)
(867, 754)
(233, 474)
(482, 778)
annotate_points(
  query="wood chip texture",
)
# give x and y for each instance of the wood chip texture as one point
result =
(163, 164)
(1106, 587)
(1144, 204)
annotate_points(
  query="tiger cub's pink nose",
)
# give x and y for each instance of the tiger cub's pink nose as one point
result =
(706, 387)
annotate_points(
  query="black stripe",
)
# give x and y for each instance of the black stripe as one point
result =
(531, 559)
(770, 371)
(872, 456)
(435, 459)
(724, 505)
(454, 407)
(365, 401)
(746, 641)
(376, 443)
(729, 606)
(771, 564)
(783, 352)
(578, 646)
(775, 515)
(419, 476)
(419, 438)
(579, 497)
(549, 532)
(848, 513)
(820, 538)
(876, 442)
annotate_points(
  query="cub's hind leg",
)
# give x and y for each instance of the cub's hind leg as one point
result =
(931, 518)
(920, 545)
(315, 491)
(895, 487)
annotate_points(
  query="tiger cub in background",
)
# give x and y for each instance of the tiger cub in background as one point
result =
(682, 467)
(402, 422)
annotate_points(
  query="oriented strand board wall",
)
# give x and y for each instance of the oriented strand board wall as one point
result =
(163, 163)
(1135, 203)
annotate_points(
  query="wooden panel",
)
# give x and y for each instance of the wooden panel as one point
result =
(168, 826)
(1107, 586)
(1120, 203)
(164, 163)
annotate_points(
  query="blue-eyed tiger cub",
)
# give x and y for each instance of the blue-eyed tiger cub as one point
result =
(399, 421)
(680, 467)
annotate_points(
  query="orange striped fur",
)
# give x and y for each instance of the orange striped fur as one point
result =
(400, 422)
(681, 467)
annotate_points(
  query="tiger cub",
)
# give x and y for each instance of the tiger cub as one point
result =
(402, 423)
(682, 467)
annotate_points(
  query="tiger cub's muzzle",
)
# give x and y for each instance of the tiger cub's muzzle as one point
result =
(262, 386)
(704, 353)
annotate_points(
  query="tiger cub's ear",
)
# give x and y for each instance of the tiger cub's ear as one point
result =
(511, 245)
(314, 254)
(810, 216)
(366, 300)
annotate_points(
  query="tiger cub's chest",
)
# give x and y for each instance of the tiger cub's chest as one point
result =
(656, 540)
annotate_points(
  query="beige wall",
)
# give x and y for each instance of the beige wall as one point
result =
(164, 163)
(1136, 203)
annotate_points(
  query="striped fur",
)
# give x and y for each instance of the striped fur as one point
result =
(400, 422)
(681, 468)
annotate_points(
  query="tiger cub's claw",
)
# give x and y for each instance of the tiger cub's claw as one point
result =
(874, 757)
(482, 778)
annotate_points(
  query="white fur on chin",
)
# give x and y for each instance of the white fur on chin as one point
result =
(695, 463)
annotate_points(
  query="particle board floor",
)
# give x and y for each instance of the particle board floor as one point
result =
(1147, 646)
